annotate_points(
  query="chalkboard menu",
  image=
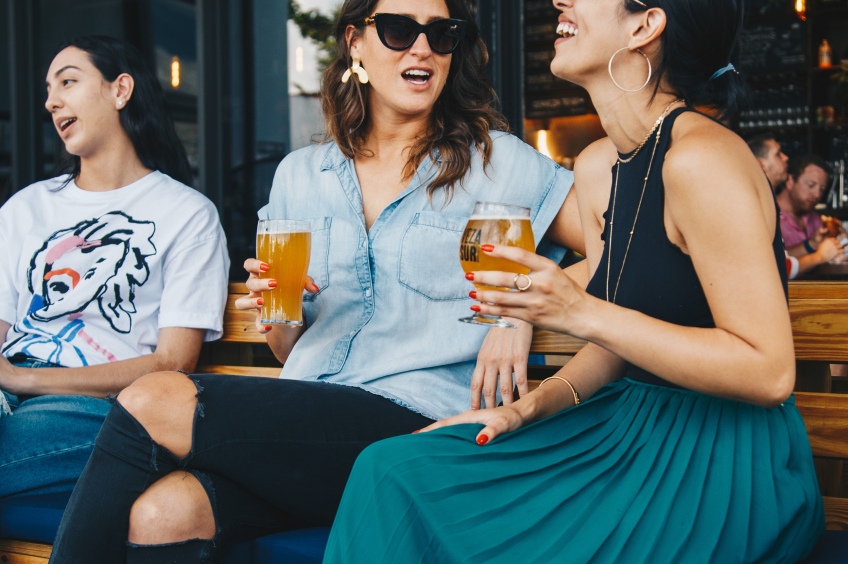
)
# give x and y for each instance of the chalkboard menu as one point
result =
(773, 46)
(768, 7)
(544, 94)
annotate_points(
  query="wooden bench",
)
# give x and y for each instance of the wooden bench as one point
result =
(819, 312)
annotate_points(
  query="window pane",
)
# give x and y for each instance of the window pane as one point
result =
(174, 33)
(5, 107)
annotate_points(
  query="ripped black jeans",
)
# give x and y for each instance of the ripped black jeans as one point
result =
(271, 454)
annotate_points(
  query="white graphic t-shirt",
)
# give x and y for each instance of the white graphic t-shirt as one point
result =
(90, 277)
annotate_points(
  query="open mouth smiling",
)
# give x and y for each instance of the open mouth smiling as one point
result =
(416, 76)
(566, 29)
(66, 123)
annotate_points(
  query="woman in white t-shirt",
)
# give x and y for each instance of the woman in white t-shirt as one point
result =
(107, 273)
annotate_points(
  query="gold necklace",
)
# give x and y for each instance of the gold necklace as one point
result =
(619, 162)
(650, 132)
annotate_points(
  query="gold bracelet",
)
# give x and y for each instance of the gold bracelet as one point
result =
(573, 391)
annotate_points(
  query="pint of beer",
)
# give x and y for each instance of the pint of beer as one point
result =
(494, 224)
(284, 245)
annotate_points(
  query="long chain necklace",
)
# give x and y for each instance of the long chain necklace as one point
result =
(650, 132)
(658, 128)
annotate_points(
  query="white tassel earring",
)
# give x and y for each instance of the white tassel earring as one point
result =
(356, 69)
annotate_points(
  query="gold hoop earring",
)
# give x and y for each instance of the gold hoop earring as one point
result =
(620, 87)
(356, 69)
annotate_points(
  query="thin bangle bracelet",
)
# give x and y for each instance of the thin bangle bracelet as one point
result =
(573, 391)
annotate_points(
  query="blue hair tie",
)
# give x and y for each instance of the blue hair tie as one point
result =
(723, 70)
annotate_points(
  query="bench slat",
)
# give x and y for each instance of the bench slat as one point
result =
(817, 290)
(548, 342)
(263, 371)
(24, 552)
(826, 419)
(835, 513)
(820, 329)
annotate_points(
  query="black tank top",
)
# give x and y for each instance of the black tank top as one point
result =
(658, 279)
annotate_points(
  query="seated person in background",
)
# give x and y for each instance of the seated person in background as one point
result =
(771, 157)
(804, 235)
(413, 141)
(774, 163)
(107, 273)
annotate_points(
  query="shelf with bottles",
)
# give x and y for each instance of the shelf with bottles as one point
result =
(836, 196)
(774, 118)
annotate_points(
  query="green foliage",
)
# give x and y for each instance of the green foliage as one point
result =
(317, 27)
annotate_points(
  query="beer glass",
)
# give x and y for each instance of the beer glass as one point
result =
(494, 224)
(284, 245)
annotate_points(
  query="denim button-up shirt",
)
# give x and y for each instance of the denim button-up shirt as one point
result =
(385, 318)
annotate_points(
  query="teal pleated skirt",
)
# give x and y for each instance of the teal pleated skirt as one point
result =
(638, 473)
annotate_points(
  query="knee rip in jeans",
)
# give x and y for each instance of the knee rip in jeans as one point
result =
(209, 488)
(199, 412)
(199, 550)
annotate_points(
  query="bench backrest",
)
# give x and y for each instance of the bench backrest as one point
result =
(819, 312)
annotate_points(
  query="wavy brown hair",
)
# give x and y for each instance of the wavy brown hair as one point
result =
(461, 118)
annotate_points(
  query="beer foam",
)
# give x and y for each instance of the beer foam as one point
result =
(285, 232)
(499, 217)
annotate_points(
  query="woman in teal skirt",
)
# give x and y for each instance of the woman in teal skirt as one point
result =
(672, 436)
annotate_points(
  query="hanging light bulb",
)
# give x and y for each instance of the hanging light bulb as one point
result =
(801, 9)
(175, 72)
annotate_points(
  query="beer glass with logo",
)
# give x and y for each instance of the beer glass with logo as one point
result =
(494, 224)
(284, 245)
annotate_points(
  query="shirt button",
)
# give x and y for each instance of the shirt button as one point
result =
(368, 293)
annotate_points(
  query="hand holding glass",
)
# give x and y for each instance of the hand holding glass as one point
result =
(494, 224)
(284, 245)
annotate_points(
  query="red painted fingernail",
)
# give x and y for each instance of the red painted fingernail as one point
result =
(469, 276)
(264, 267)
(482, 439)
(476, 308)
(260, 301)
(472, 294)
(487, 248)
(416, 431)
(268, 327)
(272, 283)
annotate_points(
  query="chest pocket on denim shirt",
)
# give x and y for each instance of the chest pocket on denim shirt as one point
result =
(320, 255)
(429, 257)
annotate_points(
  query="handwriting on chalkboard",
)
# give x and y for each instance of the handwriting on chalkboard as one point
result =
(767, 7)
(773, 46)
(545, 94)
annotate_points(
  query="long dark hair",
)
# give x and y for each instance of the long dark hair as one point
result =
(700, 38)
(145, 118)
(461, 118)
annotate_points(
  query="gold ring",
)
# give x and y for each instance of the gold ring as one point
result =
(526, 286)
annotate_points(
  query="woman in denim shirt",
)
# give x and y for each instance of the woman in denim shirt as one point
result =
(388, 193)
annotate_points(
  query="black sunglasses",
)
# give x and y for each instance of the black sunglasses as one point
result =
(398, 33)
